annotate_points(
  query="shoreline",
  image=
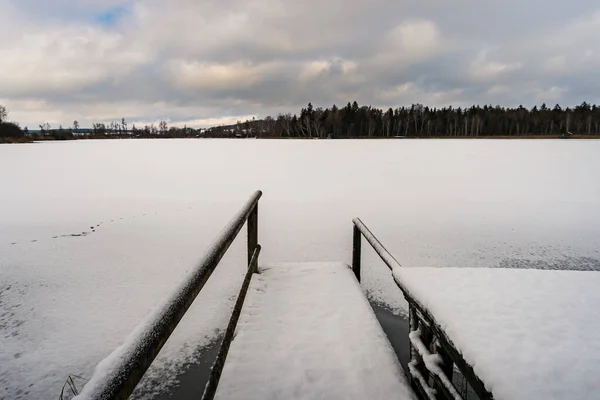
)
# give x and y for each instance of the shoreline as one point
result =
(500, 137)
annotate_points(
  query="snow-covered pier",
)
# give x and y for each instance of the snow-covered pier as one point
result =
(307, 331)
(511, 334)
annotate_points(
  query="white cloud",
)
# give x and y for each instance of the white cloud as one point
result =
(136, 113)
(65, 60)
(214, 77)
(484, 69)
(409, 92)
(499, 89)
(552, 94)
(190, 60)
(414, 39)
(314, 69)
(215, 121)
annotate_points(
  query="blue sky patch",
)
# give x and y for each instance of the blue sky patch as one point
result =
(110, 17)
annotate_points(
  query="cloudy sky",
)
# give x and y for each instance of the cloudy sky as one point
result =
(206, 62)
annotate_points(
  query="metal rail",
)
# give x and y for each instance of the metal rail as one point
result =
(429, 381)
(217, 368)
(118, 374)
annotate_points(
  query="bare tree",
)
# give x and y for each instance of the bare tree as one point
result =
(45, 128)
(162, 126)
(286, 123)
(75, 126)
(3, 113)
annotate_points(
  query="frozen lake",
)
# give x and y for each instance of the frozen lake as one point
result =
(93, 234)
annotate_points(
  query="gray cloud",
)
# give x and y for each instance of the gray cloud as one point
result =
(205, 62)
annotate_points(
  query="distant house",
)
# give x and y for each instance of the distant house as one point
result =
(567, 135)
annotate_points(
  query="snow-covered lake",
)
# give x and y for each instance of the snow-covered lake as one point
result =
(94, 234)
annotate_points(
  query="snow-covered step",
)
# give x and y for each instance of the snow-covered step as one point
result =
(307, 331)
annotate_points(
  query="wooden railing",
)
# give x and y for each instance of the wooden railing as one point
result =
(433, 355)
(117, 375)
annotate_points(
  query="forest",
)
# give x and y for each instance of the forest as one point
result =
(353, 121)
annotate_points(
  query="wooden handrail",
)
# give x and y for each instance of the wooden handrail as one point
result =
(217, 368)
(117, 375)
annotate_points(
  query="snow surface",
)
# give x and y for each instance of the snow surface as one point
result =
(70, 294)
(528, 334)
(307, 332)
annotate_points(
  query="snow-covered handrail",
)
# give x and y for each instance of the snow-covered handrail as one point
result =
(117, 375)
(419, 316)
(217, 368)
(361, 229)
(432, 363)
(428, 392)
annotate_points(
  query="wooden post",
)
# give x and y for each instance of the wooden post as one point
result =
(426, 338)
(252, 232)
(413, 325)
(356, 242)
(217, 369)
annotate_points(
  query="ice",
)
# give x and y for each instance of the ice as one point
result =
(307, 332)
(68, 299)
(528, 334)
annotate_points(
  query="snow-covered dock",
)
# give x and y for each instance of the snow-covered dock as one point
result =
(307, 331)
(528, 334)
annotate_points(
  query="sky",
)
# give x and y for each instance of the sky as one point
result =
(208, 62)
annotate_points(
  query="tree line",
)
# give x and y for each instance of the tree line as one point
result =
(9, 131)
(12, 132)
(351, 121)
(354, 121)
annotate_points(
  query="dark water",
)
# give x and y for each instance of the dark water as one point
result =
(396, 329)
(192, 381)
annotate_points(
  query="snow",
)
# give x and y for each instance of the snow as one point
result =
(528, 334)
(416, 374)
(66, 302)
(432, 363)
(307, 332)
